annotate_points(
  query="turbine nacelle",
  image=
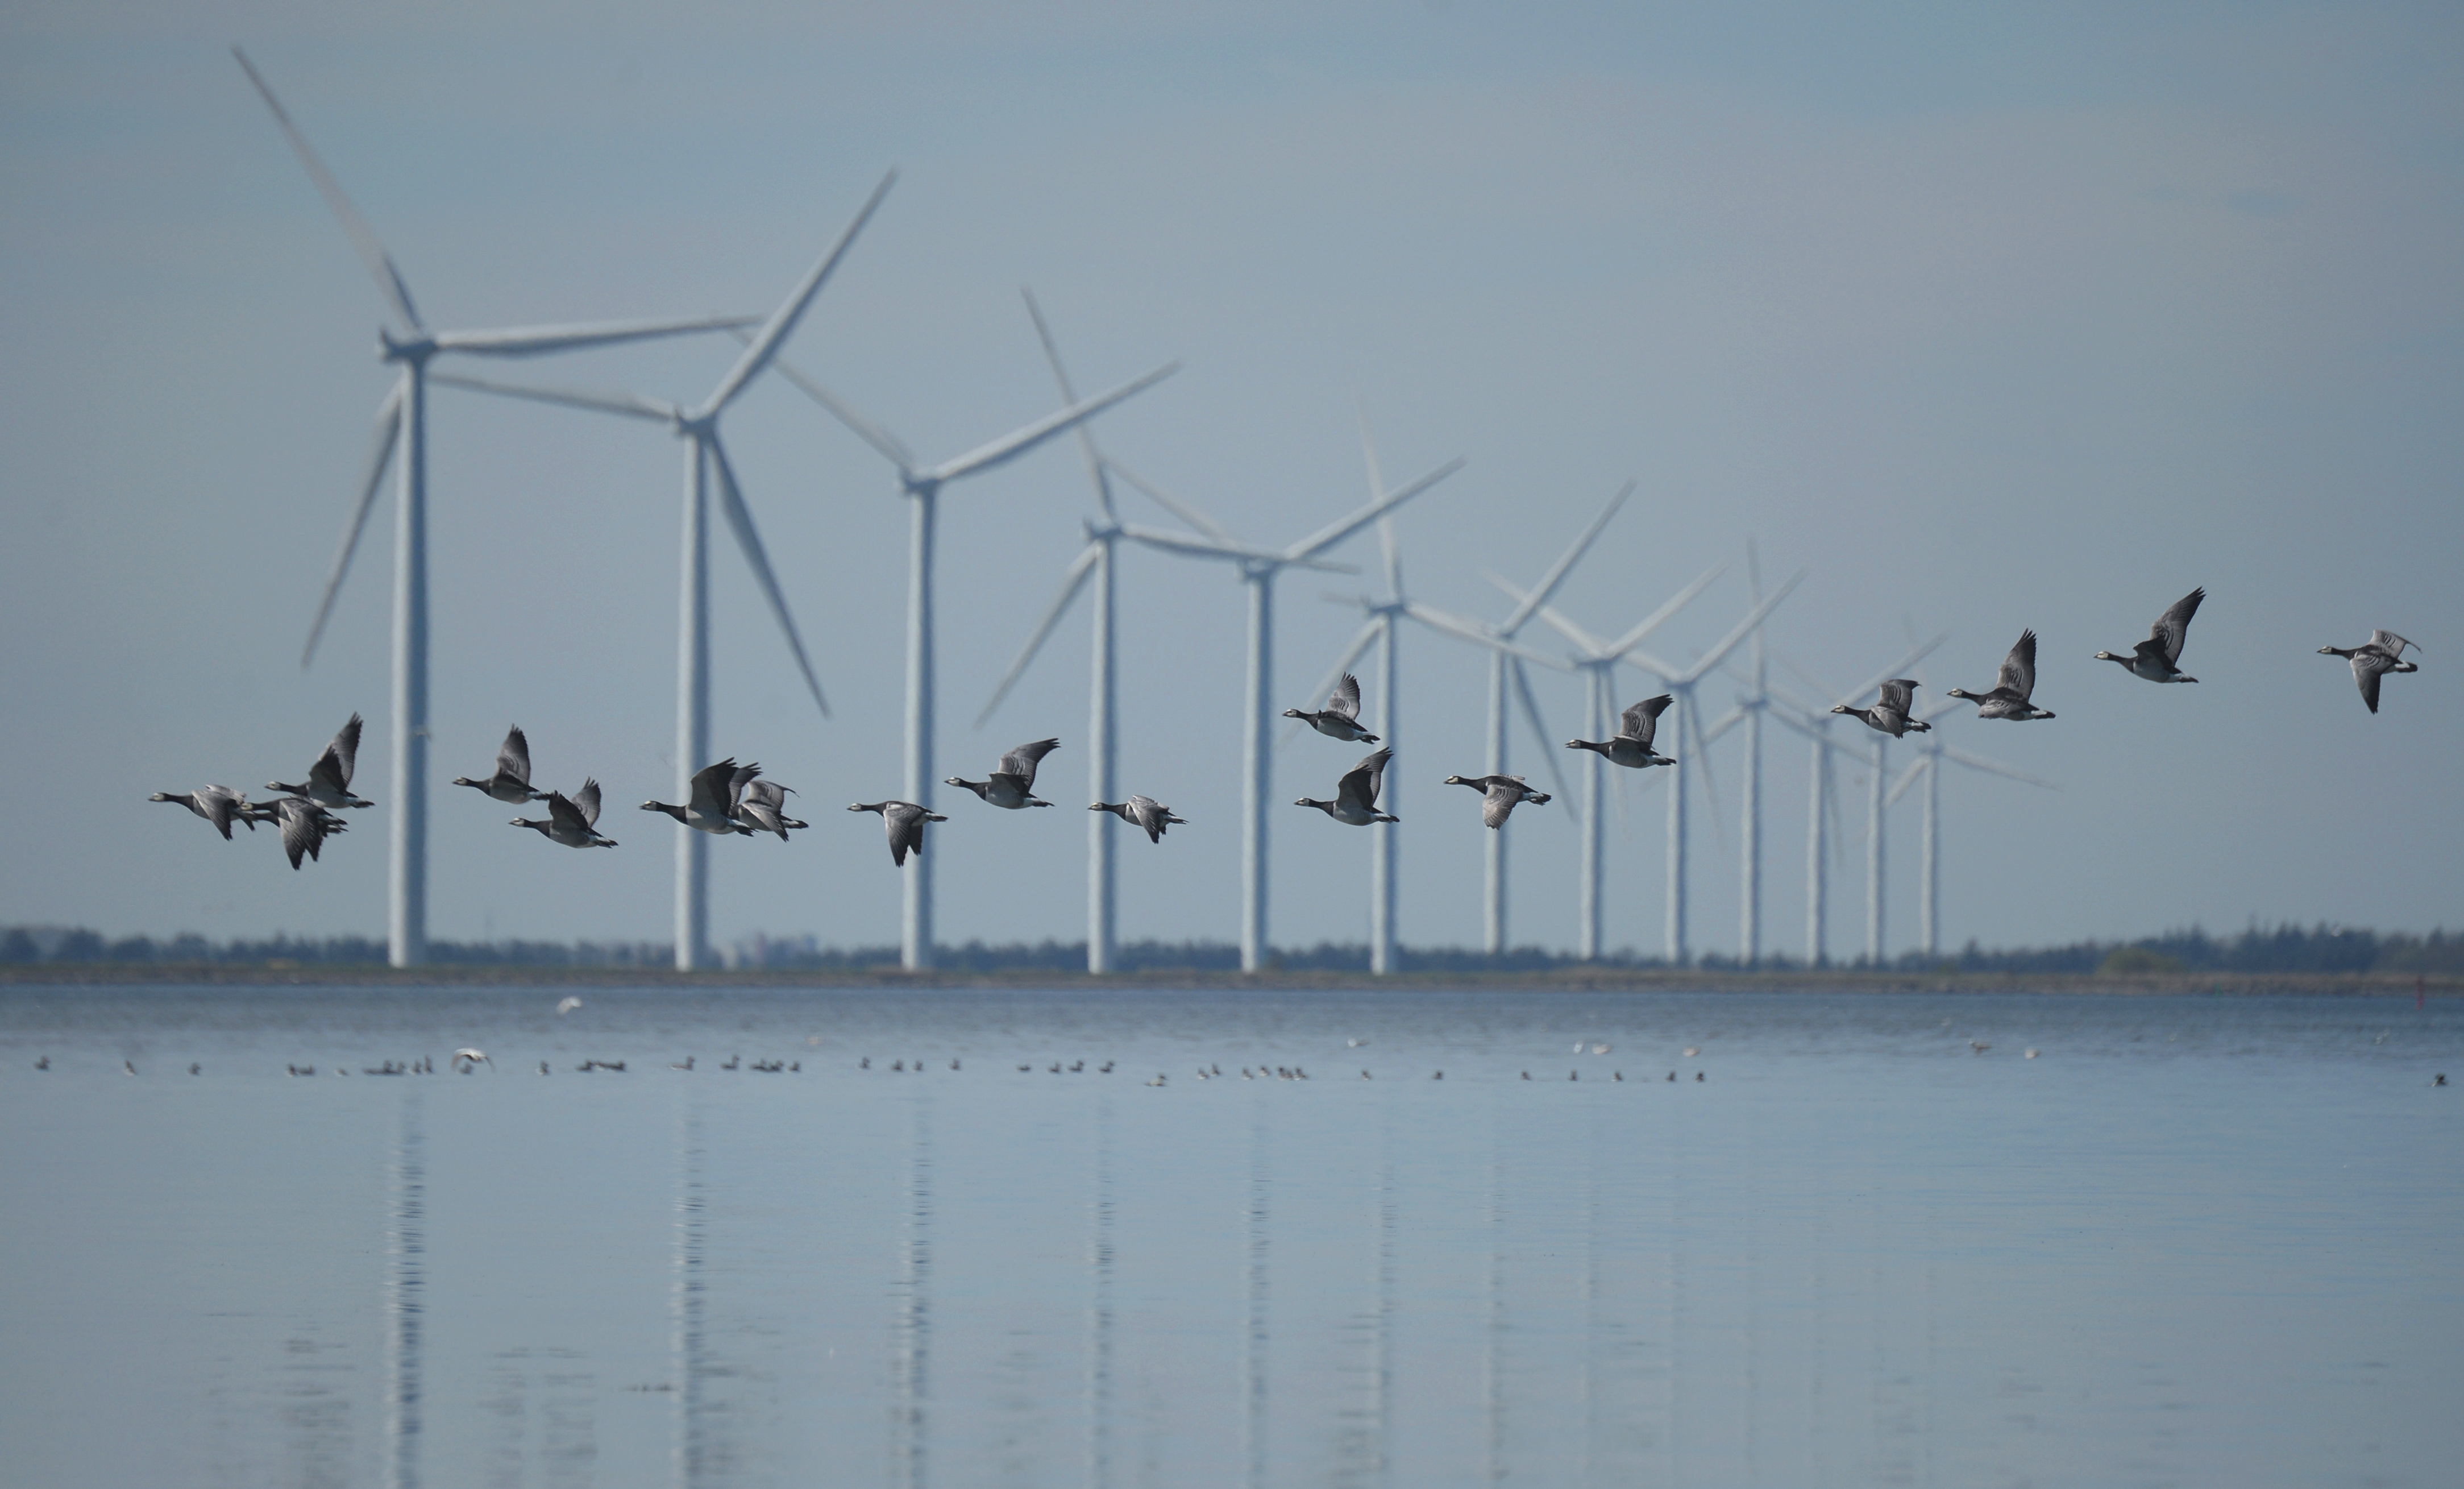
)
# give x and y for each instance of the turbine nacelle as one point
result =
(413, 349)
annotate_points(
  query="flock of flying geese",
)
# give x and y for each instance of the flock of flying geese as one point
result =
(728, 800)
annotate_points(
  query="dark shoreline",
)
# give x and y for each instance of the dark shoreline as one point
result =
(2344, 985)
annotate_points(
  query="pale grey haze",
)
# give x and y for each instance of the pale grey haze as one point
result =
(1988, 316)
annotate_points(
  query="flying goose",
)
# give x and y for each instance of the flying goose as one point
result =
(1356, 795)
(1632, 746)
(512, 782)
(763, 807)
(1013, 785)
(329, 779)
(222, 806)
(2012, 685)
(903, 823)
(713, 807)
(1341, 719)
(305, 825)
(1501, 795)
(2154, 657)
(1143, 811)
(572, 821)
(1890, 712)
(2374, 659)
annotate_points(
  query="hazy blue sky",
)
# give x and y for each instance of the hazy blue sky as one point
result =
(1990, 317)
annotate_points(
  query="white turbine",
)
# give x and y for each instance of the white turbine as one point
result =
(706, 456)
(1381, 628)
(402, 419)
(922, 486)
(1094, 562)
(1931, 752)
(1258, 569)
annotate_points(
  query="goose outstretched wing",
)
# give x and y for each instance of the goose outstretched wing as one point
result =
(713, 788)
(514, 756)
(1900, 695)
(1021, 760)
(2172, 628)
(586, 801)
(1345, 700)
(1642, 720)
(2018, 674)
(2389, 642)
(1358, 787)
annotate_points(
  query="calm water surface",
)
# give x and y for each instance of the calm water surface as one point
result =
(2199, 1241)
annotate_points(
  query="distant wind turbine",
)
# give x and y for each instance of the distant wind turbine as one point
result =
(922, 486)
(1258, 569)
(1931, 752)
(402, 420)
(705, 456)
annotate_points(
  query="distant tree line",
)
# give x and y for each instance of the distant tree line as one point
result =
(2279, 949)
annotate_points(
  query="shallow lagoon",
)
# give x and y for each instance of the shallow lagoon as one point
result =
(2199, 1241)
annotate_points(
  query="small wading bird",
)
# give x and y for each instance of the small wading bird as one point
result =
(1500, 795)
(572, 821)
(512, 782)
(1144, 812)
(1890, 712)
(2012, 686)
(329, 779)
(2154, 659)
(1341, 719)
(1356, 795)
(1632, 746)
(222, 806)
(903, 821)
(2374, 659)
(716, 790)
(1012, 785)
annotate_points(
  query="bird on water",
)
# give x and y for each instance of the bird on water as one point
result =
(2155, 657)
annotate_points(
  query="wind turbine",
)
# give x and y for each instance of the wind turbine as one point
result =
(705, 456)
(1749, 712)
(1821, 814)
(1814, 722)
(1598, 660)
(1095, 561)
(1681, 682)
(1931, 752)
(1504, 654)
(922, 486)
(1259, 567)
(402, 419)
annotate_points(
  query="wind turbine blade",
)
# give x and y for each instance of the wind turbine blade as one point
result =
(1060, 379)
(1204, 547)
(1546, 588)
(1659, 617)
(1478, 634)
(1556, 620)
(1018, 441)
(531, 341)
(872, 430)
(1821, 689)
(1702, 762)
(1328, 537)
(363, 241)
(1167, 502)
(1908, 778)
(380, 455)
(1729, 720)
(749, 539)
(1326, 684)
(1835, 837)
(1549, 748)
(1979, 763)
(1742, 629)
(630, 405)
(1898, 668)
(766, 345)
(1072, 583)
